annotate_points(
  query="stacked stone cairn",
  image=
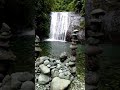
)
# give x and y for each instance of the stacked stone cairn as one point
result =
(6, 55)
(14, 81)
(37, 46)
(93, 50)
(74, 40)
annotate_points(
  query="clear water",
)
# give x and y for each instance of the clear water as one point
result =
(55, 48)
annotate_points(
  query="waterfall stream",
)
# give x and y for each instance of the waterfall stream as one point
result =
(61, 22)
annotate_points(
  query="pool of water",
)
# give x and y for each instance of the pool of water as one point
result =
(55, 48)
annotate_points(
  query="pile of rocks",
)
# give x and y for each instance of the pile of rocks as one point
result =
(53, 74)
(93, 50)
(6, 55)
(18, 81)
(37, 46)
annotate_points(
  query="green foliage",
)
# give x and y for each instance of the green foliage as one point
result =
(43, 9)
(64, 5)
(82, 24)
(80, 64)
(83, 7)
(80, 7)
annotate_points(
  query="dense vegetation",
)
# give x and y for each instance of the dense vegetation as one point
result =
(21, 14)
(69, 5)
(64, 5)
(43, 9)
(18, 14)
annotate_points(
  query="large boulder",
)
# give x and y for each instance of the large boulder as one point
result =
(28, 85)
(59, 84)
(25, 76)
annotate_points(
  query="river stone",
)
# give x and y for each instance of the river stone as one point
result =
(67, 64)
(58, 66)
(67, 77)
(28, 85)
(36, 69)
(48, 65)
(15, 84)
(6, 87)
(46, 62)
(44, 69)
(60, 71)
(71, 78)
(39, 70)
(98, 12)
(71, 63)
(91, 78)
(52, 67)
(25, 76)
(63, 56)
(55, 74)
(16, 75)
(42, 59)
(61, 75)
(66, 73)
(58, 61)
(59, 84)
(72, 58)
(73, 70)
(55, 63)
(6, 79)
(37, 64)
(52, 60)
(43, 79)
(39, 60)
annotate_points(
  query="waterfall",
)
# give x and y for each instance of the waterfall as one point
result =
(61, 22)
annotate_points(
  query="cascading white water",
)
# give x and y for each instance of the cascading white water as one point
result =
(61, 22)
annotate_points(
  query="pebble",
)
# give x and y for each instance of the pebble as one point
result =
(46, 62)
(60, 71)
(44, 69)
(67, 77)
(58, 66)
(48, 65)
(43, 79)
(61, 75)
(52, 67)
(71, 63)
(58, 61)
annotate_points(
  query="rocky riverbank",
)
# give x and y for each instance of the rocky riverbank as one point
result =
(57, 74)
